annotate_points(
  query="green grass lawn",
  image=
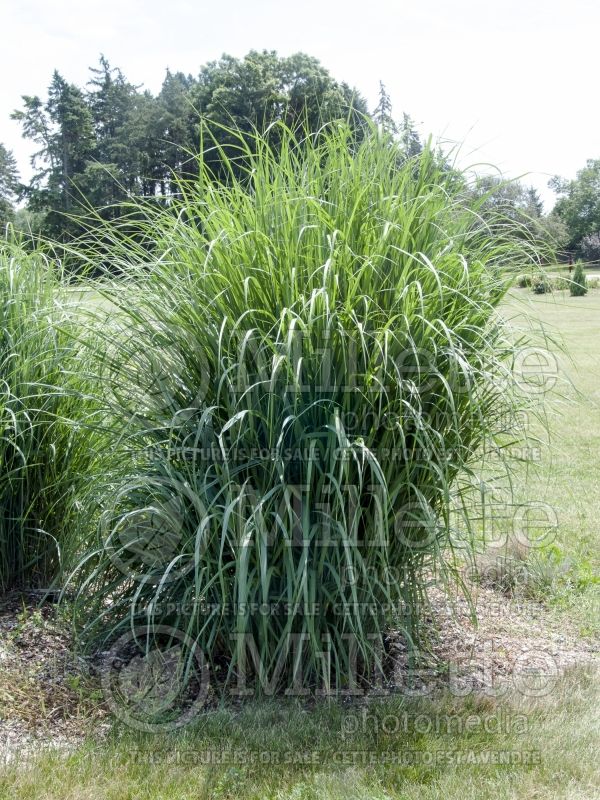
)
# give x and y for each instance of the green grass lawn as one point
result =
(282, 750)
(565, 473)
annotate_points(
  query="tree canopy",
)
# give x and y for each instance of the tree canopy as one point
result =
(103, 143)
(100, 144)
(578, 205)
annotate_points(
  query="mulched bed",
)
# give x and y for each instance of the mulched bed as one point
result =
(48, 695)
(51, 697)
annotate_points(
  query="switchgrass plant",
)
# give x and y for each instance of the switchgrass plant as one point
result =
(306, 367)
(42, 454)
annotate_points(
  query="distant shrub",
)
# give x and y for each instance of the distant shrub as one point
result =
(541, 284)
(593, 283)
(523, 281)
(560, 283)
(578, 285)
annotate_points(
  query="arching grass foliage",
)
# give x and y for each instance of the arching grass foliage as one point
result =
(44, 454)
(305, 363)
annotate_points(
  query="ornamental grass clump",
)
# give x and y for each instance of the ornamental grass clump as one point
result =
(42, 454)
(308, 363)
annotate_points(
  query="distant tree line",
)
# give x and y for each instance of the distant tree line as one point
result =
(101, 144)
(578, 207)
(104, 143)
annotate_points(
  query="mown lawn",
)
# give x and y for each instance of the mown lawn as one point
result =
(398, 748)
(565, 470)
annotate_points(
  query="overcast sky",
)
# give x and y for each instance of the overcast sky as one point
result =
(515, 81)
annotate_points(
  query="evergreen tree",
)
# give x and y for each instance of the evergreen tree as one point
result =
(112, 101)
(177, 123)
(409, 137)
(71, 143)
(383, 112)
(9, 178)
(62, 128)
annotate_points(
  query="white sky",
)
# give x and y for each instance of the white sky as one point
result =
(516, 81)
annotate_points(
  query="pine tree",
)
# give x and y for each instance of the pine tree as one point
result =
(112, 101)
(177, 122)
(9, 179)
(409, 137)
(62, 128)
(71, 143)
(383, 112)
